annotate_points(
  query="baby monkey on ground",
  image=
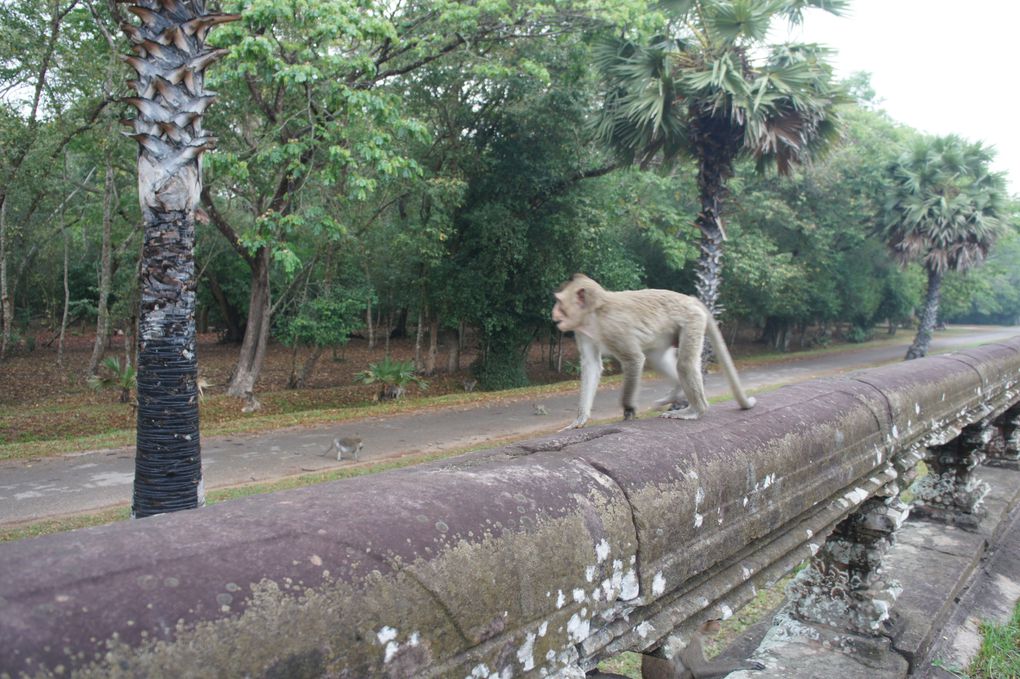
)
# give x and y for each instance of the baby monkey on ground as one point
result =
(689, 663)
(665, 328)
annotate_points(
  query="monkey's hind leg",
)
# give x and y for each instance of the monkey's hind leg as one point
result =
(688, 370)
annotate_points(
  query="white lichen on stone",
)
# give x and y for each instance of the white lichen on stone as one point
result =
(630, 588)
(644, 629)
(526, 653)
(578, 595)
(602, 551)
(726, 611)
(589, 573)
(579, 626)
(658, 584)
(560, 599)
(698, 519)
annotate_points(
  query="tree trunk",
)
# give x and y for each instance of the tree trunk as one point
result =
(256, 332)
(168, 129)
(715, 146)
(228, 312)
(389, 333)
(417, 339)
(6, 306)
(453, 351)
(368, 321)
(309, 367)
(929, 315)
(398, 328)
(105, 274)
(430, 356)
(67, 302)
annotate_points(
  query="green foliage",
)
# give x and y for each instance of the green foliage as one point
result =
(944, 206)
(326, 321)
(710, 78)
(394, 376)
(991, 293)
(117, 376)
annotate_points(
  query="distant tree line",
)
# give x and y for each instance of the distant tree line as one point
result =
(429, 167)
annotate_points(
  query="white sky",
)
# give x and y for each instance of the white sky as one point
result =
(940, 67)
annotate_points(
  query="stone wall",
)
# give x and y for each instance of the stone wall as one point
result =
(535, 559)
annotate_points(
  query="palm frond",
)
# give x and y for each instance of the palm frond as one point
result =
(944, 206)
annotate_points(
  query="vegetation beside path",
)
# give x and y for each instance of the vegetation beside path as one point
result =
(82, 420)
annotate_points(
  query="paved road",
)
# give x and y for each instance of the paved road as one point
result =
(92, 480)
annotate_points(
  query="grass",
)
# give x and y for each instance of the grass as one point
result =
(999, 657)
(253, 423)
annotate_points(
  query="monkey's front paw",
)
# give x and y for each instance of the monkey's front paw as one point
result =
(755, 665)
(687, 413)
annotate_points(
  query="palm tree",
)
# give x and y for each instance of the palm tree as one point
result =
(943, 208)
(710, 91)
(170, 59)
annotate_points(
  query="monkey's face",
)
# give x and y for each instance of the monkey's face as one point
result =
(566, 313)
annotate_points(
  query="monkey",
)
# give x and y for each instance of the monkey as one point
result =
(349, 445)
(689, 663)
(469, 385)
(663, 327)
(539, 409)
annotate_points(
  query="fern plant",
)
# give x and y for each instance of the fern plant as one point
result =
(394, 377)
(118, 377)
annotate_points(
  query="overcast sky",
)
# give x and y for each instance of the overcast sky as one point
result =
(940, 67)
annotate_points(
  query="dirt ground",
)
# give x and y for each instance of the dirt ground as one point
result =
(41, 400)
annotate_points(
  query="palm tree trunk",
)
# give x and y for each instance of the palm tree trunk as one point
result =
(170, 61)
(929, 314)
(714, 147)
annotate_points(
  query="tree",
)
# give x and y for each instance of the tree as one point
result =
(944, 208)
(170, 60)
(700, 91)
(316, 123)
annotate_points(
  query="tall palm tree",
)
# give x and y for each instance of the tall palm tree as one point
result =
(944, 208)
(170, 58)
(711, 91)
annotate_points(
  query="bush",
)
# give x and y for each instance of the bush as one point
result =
(394, 377)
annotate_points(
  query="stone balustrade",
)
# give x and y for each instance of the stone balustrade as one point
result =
(535, 559)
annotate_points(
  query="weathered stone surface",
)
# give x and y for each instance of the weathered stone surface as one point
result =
(791, 650)
(950, 556)
(533, 559)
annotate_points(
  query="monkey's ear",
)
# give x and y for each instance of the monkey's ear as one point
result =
(582, 297)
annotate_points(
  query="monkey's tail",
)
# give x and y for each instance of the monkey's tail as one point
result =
(719, 346)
